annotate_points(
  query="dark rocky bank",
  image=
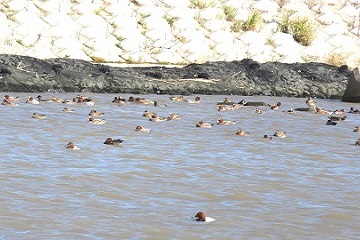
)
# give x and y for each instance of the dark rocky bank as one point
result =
(245, 77)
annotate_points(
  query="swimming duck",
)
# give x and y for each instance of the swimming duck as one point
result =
(119, 100)
(221, 121)
(339, 112)
(155, 118)
(57, 100)
(81, 99)
(280, 134)
(173, 116)
(357, 129)
(40, 99)
(241, 132)
(96, 121)
(290, 111)
(357, 143)
(9, 103)
(339, 118)
(177, 98)
(38, 115)
(331, 122)
(275, 106)
(95, 113)
(225, 107)
(143, 101)
(31, 100)
(142, 129)
(201, 217)
(321, 111)
(148, 114)
(266, 137)
(72, 146)
(11, 99)
(353, 110)
(310, 102)
(196, 100)
(110, 141)
(259, 111)
(226, 102)
(68, 110)
(202, 124)
(156, 104)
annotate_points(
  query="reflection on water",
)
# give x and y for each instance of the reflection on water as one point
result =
(305, 186)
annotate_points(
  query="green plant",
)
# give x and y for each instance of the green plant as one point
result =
(236, 26)
(200, 20)
(284, 25)
(301, 28)
(201, 4)
(303, 31)
(253, 21)
(230, 12)
(170, 20)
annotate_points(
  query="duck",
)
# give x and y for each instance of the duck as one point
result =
(68, 101)
(148, 113)
(310, 102)
(225, 107)
(110, 141)
(155, 118)
(339, 112)
(81, 99)
(9, 103)
(38, 115)
(259, 111)
(357, 143)
(331, 122)
(321, 111)
(202, 124)
(353, 110)
(156, 104)
(173, 116)
(143, 101)
(178, 98)
(119, 100)
(290, 111)
(196, 100)
(357, 129)
(275, 106)
(40, 99)
(96, 121)
(72, 146)
(241, 132)
(68, 110)
(201, 217)
(11, 99)
(339, 118)
(31, 100)
(280, 134)
(57, 100)
(221, 121)
(266, 137)
(226, 101)
(95, 113)
(140, 128)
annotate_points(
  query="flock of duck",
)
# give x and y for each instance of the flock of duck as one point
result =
(226, 105)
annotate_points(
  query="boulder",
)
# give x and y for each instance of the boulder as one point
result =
(352, 91)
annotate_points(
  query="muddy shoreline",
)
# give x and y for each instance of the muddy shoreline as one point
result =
(245, 77)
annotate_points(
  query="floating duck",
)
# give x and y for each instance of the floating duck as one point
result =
(38, 115)
(142, 129)
(72, 146)
(241, 132)
(110, 141)
(202, 124)
(96, 121)
(201, 217)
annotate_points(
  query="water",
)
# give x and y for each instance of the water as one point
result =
(305, 186)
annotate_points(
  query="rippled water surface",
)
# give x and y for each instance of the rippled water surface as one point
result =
(305, 186)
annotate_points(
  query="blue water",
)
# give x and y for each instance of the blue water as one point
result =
(305, 186)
